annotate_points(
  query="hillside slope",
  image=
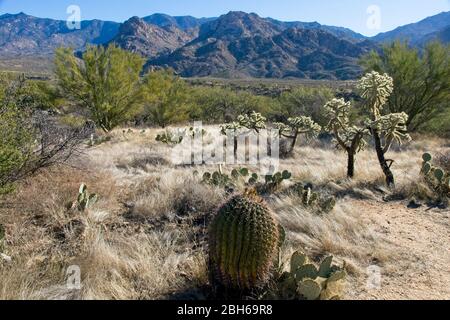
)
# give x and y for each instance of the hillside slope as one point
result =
(244, 45)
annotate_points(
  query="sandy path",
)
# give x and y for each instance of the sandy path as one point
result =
(417, 246)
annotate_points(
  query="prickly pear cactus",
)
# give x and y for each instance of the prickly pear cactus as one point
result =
(306, 281)
(436, 178)
(85, 200)
(244, 239)
(321, 203)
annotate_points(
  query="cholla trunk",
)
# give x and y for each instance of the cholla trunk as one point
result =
(381, 158)
(351, 164)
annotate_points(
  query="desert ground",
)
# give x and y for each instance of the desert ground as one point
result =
(145, 238)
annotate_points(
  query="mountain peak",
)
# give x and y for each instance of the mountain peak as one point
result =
(238, 24)
(417, 32)
(149, 40)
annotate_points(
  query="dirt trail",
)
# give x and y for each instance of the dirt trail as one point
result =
(417, 246)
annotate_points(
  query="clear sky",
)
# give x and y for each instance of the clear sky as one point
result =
(359, 15)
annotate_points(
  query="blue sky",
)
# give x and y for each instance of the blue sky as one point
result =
(388, 14)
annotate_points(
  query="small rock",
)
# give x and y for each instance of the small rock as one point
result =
(413, 204)
(5, 257)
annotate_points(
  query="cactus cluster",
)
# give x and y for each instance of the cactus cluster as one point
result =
(376, 89)
(271, 182)
(243, 244)
(220, 179)
(315, 200)
(85, 200)
(348, 136)
(253, 121)
(306, 281)
(298, 126)
(170, 138)
(274, 181)
(385, 129)
(437, 178)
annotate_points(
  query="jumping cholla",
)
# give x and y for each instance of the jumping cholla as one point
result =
(255, 121)
(348, 136)
(377, 89)
(385, 129)
(297, 126)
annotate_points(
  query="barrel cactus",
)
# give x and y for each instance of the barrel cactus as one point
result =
(243, 244)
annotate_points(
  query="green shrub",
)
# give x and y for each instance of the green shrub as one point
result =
(105, 82)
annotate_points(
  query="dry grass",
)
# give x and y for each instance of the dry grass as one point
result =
(145, 239)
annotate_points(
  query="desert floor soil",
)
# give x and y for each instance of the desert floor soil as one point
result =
(420, 241)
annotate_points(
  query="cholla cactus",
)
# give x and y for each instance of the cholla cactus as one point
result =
(393, 127)
(385, 129)
(233, 126)
(296, 126)
(377, 89)
(348, 136)
(254, 121)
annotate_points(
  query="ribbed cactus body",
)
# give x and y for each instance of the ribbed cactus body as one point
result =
(244, 239)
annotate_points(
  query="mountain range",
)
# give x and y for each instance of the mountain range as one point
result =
(236, 44)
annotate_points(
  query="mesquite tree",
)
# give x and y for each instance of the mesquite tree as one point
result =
(348, 136)
(385, 129)
(105, 82)
(298, 126)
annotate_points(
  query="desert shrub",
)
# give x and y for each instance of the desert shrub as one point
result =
(219, 105)
(45, 95)
(166, 98)
(31, 139)
(16, 145)
(421, 80)
(302, 101)
(105, 81)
